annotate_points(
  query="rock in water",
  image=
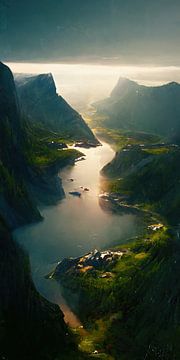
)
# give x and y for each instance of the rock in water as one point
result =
(75, 193)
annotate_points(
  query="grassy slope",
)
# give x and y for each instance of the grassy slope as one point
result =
(153, 186)
(38, 151)
(136, 311)
(135, 314)
(122, 138)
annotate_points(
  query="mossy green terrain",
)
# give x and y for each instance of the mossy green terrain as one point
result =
(121, 138)
(134, 312)
(39, 152)
(149, 177)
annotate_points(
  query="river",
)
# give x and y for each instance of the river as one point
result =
(74, 226)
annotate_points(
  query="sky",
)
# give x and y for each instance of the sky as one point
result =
(91, 31)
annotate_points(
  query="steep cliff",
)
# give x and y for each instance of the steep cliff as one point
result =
(42, 105)
(31, 327)
(23, 182)
(16, 207)
(136, 107)
(149, 176)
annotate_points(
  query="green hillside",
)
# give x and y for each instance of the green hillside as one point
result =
(131, 306)
(141, 108)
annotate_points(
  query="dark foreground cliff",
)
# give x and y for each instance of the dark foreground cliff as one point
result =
(28, 167)
(16, 206)
(30, 327)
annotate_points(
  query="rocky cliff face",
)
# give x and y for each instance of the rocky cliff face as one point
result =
(30, 327)
(42, 105)
(10, 128)
(22, 185)
(16, 206)
(149, 175)
(126, 162)
(136, 107)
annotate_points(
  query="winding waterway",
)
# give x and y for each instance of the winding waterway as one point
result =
(74, 226)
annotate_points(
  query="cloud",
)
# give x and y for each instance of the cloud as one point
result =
(131, 31)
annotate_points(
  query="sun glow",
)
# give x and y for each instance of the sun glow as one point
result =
(83, 84)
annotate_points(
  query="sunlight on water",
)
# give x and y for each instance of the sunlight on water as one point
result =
(76, 225)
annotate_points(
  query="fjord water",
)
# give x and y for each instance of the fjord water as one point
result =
(75, 225)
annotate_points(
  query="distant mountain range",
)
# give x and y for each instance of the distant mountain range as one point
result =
(137, 107)
(42, 105)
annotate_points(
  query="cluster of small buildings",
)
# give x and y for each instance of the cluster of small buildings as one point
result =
(95, 260)
(57, 145)
(98, 259)
(155, 227)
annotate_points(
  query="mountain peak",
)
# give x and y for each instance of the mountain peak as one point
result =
(9, 106)
(45, 82)
(172, 84)
(41, 103)
(123, 85)
(124, 80)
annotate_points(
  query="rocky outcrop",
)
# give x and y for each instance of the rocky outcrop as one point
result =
(126, 161)
(45, 186)
(41, 104)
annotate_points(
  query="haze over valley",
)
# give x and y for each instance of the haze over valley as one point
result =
(83, 84)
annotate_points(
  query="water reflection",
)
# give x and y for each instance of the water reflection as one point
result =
(75, 225)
